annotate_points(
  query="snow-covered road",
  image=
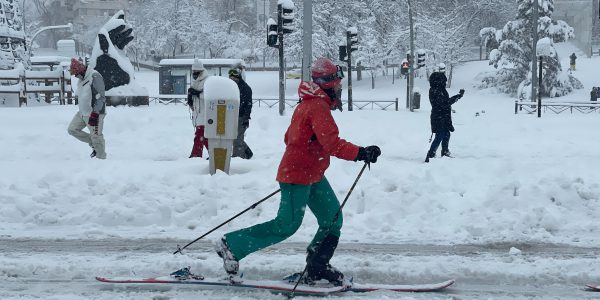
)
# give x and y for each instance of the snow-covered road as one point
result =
(65, 269)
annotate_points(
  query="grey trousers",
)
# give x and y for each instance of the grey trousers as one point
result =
(95, 138)
(240, 148)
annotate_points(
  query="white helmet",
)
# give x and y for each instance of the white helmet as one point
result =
(197, 66)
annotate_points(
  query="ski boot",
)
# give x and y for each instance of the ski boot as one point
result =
(317, 262)
(230, 263)
(184, 273)
(296, 276)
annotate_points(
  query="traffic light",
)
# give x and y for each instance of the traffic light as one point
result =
(287, 18)
(352, 36)
(420, 59)
(404, 68)
(343, 54)
(271, 33)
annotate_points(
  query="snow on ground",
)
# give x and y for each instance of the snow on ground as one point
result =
(515, 178)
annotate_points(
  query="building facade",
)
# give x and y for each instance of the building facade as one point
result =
(84, 11)
(583, 16)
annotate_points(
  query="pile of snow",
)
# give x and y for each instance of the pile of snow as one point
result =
(514, 178)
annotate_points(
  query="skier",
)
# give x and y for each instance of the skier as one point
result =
(195, 100)
(311, 139)
(573, 57)
(240, 148)
(441, 118)
(594, 94)
(92, 108)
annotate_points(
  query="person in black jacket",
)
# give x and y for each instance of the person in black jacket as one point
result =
(240, 148)
(441, 118)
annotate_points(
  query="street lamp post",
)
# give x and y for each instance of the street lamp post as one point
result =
(69, 26)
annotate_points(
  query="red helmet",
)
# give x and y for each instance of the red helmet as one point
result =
(77, 67)
(325, 74)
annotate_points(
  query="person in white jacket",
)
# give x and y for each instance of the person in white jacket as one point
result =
(195, 101)
(92, 108)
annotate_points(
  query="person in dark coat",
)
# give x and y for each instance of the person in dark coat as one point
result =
(240, 148)
(594, 94)
(573, 57)
(441, 110)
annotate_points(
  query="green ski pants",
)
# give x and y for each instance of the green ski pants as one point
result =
(321, 200)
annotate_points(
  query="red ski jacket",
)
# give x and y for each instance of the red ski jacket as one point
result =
(311, 139)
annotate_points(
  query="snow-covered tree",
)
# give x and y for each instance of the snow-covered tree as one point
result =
(512, 58)
(12, 34)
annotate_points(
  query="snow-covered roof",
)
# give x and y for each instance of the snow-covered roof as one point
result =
(217, 62)
(65, 43)
(48, 59)
(287, 4)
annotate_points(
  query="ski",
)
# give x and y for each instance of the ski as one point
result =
(277, 287)
(593, 287)
(431, 287)
(280, 287)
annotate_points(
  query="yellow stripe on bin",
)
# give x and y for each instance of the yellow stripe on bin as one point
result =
(220, 158)
(221, 111)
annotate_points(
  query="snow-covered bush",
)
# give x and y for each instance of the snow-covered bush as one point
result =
(512, 58)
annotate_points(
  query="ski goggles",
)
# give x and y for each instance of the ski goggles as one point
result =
(339, 74)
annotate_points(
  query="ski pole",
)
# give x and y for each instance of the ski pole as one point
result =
(337, 214)
(179, 249)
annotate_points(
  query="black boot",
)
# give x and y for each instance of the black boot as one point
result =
(429, 155)
(317, 262)
(447, 153)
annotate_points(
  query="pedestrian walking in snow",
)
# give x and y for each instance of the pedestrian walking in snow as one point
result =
(240, 148)
(195, 100)
(441, 113)
(311, 139)
(92, 108)
(573, 58)
(594, 94)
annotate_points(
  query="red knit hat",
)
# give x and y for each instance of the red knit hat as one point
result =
(77, 67)
(326, 74)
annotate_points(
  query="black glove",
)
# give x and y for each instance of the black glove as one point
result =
(368, 154)
(190, 101)
(194, 92)
(461, 93)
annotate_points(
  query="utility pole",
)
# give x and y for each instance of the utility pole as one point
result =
(264, 25)
(281, 67)
(351, 45)
(275, 32)
(539, 95)
(411, 67)
(307, 41)
(408, 82)
(534, 28)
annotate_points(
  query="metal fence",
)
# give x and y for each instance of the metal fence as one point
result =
(585, 107)
(384, 104)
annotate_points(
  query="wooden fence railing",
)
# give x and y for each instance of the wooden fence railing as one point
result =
(48, 83)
